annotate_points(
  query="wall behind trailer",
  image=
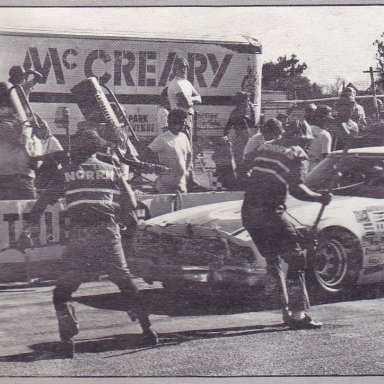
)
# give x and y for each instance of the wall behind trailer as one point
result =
(136, 70)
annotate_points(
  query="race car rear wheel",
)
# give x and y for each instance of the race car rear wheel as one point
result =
(337, 260)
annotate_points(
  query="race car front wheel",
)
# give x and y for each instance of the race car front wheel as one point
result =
(336, 261)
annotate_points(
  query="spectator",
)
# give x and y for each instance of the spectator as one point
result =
(283, 118)
(240, 120)
(309, 113)
(321, 144)
(357, 113)
(17, 166)
(182, 94)
(344, 127)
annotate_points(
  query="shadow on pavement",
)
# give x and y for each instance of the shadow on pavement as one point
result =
(162, 302)
(199, 303)
(132, 343)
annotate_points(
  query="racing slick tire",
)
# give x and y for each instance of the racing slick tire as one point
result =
(335, 263)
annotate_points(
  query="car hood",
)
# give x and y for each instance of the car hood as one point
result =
(226, 216)
(341, 210)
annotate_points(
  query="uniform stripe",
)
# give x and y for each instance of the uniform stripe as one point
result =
(270, 171)
(92, 202)
(237, 232)
(80, 190)
(279, 163)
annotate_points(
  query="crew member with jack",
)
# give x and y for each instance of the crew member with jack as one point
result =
(276, 167)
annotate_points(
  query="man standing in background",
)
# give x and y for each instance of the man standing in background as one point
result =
(182, 94)
(321, 145)
(240, 120)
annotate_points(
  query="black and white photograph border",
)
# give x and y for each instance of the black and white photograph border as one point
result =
(215, 322)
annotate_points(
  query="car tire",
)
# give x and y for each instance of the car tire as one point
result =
(336, 262)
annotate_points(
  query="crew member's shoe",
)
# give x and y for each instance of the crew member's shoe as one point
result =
(305, 323)
(66, 350)
(150, 337)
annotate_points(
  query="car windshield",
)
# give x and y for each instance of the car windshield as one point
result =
(358, 175)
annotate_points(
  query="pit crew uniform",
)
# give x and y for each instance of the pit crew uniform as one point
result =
(275, 169)
(97, 198)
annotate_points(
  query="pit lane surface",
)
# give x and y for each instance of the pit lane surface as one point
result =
(198, 336)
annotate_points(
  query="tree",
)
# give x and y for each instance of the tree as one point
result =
(335, 89)
(286, 74)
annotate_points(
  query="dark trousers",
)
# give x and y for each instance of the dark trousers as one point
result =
(93, 251)
(277, 239)
(17, 187)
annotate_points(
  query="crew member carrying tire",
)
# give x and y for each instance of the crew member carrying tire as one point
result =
(276, 167)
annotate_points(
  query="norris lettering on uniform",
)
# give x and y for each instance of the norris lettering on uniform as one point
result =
(99, 174)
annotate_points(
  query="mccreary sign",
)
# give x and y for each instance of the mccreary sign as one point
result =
(126, 67)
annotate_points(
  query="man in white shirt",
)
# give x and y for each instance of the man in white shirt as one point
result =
(174, 151)
(322, 139)
(53, 154)
(358, 113)
(182, 94)
(17, 165)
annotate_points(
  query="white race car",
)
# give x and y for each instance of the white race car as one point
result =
(208, 244)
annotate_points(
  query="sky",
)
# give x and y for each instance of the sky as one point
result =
(334, 41)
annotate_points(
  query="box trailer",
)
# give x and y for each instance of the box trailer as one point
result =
(136, 68)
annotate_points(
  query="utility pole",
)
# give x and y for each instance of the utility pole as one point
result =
(373, 86)
(292, 73)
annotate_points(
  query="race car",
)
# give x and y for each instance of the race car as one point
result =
(208, 244)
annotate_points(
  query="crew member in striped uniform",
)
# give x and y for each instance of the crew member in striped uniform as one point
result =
(97, 199)
(276, 167)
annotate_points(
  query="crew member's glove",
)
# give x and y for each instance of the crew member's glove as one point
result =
(325, 198)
